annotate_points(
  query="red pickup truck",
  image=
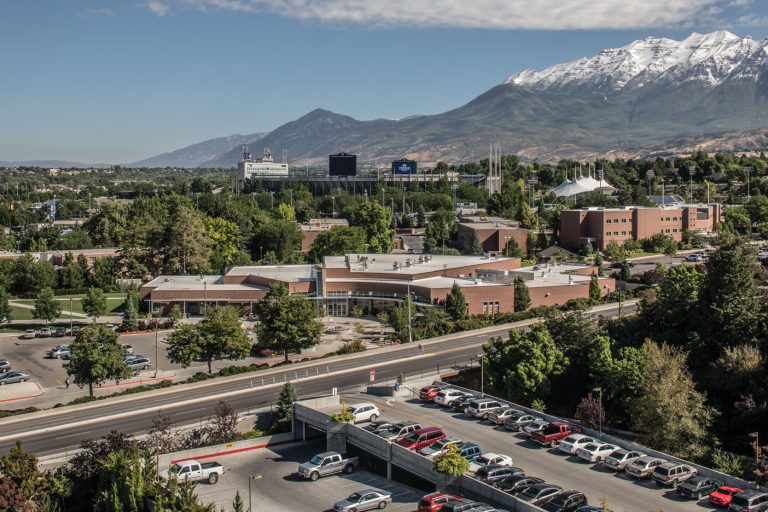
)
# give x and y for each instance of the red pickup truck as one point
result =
(554, 433)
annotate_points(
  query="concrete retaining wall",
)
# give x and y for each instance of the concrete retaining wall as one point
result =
(207, 452)
(381, 390)
(476, 490)
(369, 442)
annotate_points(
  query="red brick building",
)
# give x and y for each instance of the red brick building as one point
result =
(494, 233)
(600, 226)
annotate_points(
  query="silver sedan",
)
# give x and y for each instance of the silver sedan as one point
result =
(13, 378)
(367, 499)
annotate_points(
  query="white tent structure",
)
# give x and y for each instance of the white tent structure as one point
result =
(581, 184)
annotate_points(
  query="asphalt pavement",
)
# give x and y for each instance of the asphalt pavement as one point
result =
(54, 431)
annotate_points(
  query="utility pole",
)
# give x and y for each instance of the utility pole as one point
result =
(408, 301)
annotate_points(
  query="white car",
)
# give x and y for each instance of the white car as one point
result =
(364, 412)
(439, 447)
(573, 442)
(596, 452)
(446, 397)
(490, 458)
(535, 426)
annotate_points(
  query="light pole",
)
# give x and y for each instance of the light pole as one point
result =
(506, 245)
(482, 374)
(157, 360)
(749, 169)
(205, 297)
(600, 409)
(250, 496)
(333, 207)
(408, 302)
(70, 315)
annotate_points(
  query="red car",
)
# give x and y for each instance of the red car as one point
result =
(434, 502)
(722, 496)
(428, 393)
(422, 438)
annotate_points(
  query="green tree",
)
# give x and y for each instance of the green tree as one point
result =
(594, 288)
(599, 264)
(451, 462)
(522, 365)
(5, 308)
(219, 335)
(513, 249)
(187, 246)
(43, 275)
(279, 237)
(338, 241)
(527, 217)
(376, 220)
(441, 228)
(108, 228)
(237, 503)
(614, 252)
(96, 357)
(20, 467)
(71, 277)
(676, 304)
(522, 295)
(475, 246)
(104, 273)
(285, 212)
(287, 322)
(226, 238)
(284, 415)
(455, 303)
(46, 306)
(670, 413)
(94, 303)
(131, 310)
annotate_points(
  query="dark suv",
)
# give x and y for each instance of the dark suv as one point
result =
(673, 473)
(749, 501)
(566, 501)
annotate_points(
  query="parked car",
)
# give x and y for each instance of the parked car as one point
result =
(29, 334)
(128, 349)
(422, 438)
(194, 471)
(461, 403)
(595, 452)
(367, 499)
(722, 496)
(440, 446)
(257, 351)
(590, 508)
(5, 365)
(434, 502)
(574, 442)
(13, 378)
(644, 466)
(554, 433)
(540, 493)
(517, 422)
(566, 501)
(498, 416)
(428, 393)
(488, 459)
(446, 397)
(470, 451)
(696, 257)
(327, 463)
(60, 332)
(45, 332)
(58, 352)
(534, 427)
(75, 330)
(496, 472)
(698, 487)
(621, 458)
(516, 484)
(461, 505)
(672, 473)
(482, 407)
(364, 412)
(749, 501)
(400, 430)
(376, 427)
(138, 363)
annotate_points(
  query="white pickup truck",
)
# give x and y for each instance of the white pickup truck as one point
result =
(194, 471)
(327, 463)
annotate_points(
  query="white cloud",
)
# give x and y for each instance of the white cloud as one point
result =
(478, 14)
(95, 14)
(158, 7)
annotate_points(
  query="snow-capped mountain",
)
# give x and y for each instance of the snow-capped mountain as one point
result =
(709, 58)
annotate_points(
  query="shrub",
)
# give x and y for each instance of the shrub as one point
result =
(344, 415)
(352, 347)
(539, 405)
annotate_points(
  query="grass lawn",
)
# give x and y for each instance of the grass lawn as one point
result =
(640, 254)
(114, 304)
(28, 314)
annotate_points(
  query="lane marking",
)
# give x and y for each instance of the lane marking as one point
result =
(73, 435)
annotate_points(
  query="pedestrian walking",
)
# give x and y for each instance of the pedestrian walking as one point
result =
(66, 383)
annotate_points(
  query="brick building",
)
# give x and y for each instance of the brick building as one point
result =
(494, 233)
(378, 281)
(600, 226)
(314, 227)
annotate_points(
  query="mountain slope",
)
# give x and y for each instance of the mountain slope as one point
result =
(197, 154)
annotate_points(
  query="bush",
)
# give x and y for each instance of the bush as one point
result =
(251, 434)
(235, 370)
(539, 405)
(344, 415)
(70, 291)
(199, 376)
(730, 463)
(352, 347)
(5, 414)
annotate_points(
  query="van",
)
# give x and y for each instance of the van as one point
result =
(749, 501)
(422, 438)
(672, 473)
(482, 407)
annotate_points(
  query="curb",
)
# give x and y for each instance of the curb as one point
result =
(234, 451)
(140, 381)
(42, 392)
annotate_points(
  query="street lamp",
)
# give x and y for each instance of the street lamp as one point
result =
(482, 374)
(250, 496)
(756, 437)
(600, 409)
(410, 328)
(506, 245)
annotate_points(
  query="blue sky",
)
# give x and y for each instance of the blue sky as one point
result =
(117, 81)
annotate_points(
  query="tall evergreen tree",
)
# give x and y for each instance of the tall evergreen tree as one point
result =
(475, 247)
(131, 310)
(594, 288)
(522, 295)
(456, 303)
(285, 403)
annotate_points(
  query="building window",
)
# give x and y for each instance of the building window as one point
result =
(674, 230)
(624, 221)
(491, 308)
(624, 233)
(615, 233)
(607, 233)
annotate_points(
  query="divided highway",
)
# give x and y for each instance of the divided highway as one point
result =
(56, 430)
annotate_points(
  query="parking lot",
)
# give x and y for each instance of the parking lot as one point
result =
(623, 494)
(277, 486)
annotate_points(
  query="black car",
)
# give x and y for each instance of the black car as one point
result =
(540, 493)
(566, 501)
(517, 483)
(698, 487)
(5, 365)
(461, 403)
(379, 426)
(495, 472)
(60, 332)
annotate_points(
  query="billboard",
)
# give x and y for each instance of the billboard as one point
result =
(342, 164)
(404, 167)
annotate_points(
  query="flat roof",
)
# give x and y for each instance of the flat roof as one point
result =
(491, 225)
(430, 282)
(285, 273)
(554, 275)
(632, 208)
(385, 263)
(198, 283)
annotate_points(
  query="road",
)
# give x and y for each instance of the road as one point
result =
(53, 431)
